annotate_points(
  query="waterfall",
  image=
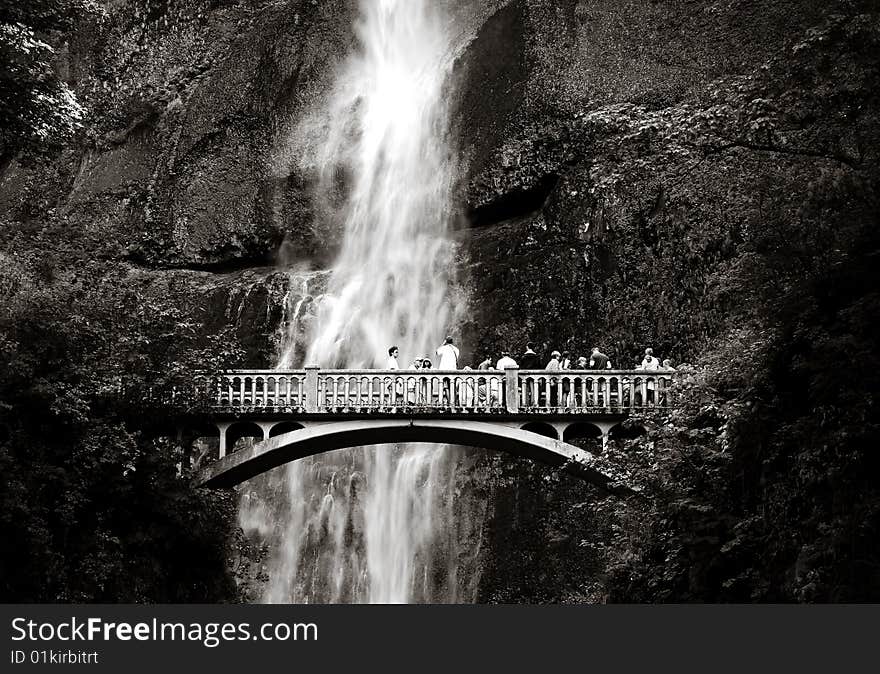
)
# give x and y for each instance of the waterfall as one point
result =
(372, 524)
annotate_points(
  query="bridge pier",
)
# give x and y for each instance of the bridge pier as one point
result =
(605, 428)
(222, 427)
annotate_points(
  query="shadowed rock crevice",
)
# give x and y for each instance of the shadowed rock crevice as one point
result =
(255, 261)
(516, 203)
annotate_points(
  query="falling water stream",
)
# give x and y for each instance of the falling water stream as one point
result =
(372, 524)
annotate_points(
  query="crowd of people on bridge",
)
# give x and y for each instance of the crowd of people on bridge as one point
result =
(448, 355)
(491, 390)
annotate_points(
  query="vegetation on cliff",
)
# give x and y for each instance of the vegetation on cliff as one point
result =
(735, 228)
(83, 460)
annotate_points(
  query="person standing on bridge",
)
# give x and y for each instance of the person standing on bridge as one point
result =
(529, 359)
(505, 361)
(651, 364)
(554, 366)
(496, 385)
(582, 364)
(394, 387)
(599, 361)
(482, 387)
(448, 353)
(391, 363)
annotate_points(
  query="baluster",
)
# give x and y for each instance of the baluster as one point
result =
(628, 392)
(560, 392)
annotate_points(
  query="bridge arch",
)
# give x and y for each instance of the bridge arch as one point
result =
(320, 437)
(541, 428)
(627, 431)
(581, 429)
(243, 429)
(283, 427)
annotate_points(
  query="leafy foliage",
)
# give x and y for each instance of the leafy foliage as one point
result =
(81, 464)
(736, 229)
(38, 110)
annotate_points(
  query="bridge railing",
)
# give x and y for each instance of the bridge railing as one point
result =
(315, 391)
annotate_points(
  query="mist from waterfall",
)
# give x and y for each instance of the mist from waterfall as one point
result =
(372, 524)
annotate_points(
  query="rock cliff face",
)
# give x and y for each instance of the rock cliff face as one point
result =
(575, 227)
(533, 199)
(186, 166)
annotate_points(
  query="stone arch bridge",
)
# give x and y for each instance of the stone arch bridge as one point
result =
(530, 413)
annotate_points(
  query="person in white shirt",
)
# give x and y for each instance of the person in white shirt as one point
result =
(505, 361)
(650, 363)
(394, 390)
(391, 363)
(554, 366)
(495, 388)
(448, 355)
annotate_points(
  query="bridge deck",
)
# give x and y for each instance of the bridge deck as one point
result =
(458, 393)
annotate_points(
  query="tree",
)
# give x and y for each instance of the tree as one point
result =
(38, 111)
(96, 502)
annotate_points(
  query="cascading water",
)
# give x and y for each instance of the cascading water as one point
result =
(371, 525)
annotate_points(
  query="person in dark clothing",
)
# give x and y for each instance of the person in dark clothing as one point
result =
(598, 360)
(529, 359)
